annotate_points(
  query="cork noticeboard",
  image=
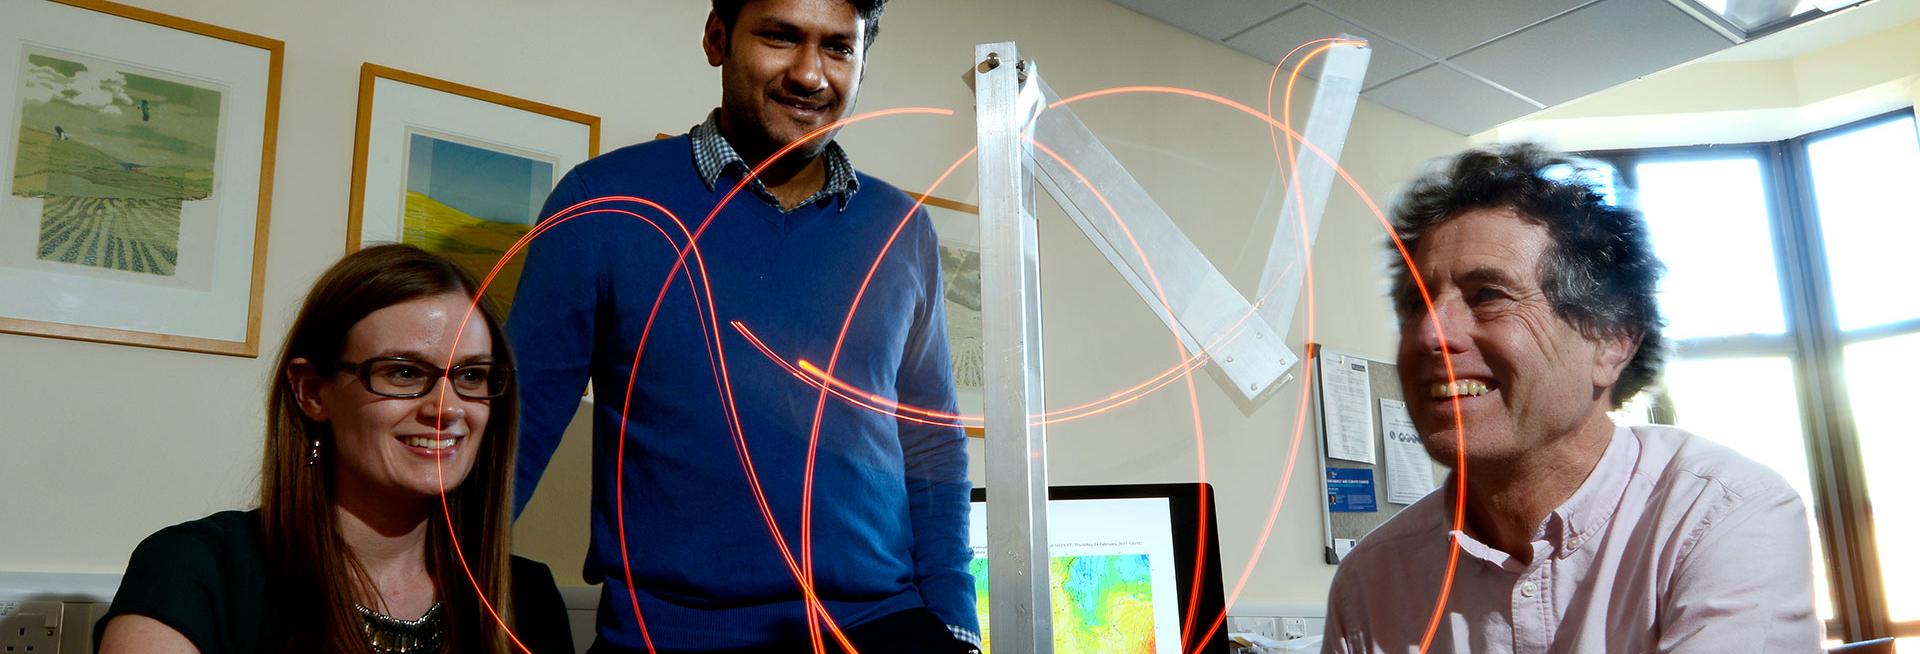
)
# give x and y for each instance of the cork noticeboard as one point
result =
(1346, 527)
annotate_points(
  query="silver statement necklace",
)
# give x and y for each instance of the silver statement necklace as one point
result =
(389, 635)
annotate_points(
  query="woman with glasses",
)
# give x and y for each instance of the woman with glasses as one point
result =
(384, 492)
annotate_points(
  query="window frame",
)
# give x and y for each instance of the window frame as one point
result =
(1726, 27)
(1814, 343)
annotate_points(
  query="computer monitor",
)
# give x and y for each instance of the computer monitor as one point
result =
(1123, 568)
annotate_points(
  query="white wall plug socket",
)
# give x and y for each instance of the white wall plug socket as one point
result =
(30, 626)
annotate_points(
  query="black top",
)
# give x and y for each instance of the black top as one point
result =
(207, 579)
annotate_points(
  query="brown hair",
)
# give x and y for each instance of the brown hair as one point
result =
(308, 564)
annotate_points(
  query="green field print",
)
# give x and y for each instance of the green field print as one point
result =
(1102, 604)
(960, 268)
(113, 153)
(471, 203)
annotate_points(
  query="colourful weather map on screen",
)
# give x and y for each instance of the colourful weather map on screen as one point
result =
(1101, 604)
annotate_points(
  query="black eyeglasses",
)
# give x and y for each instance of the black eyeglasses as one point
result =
(403, 377)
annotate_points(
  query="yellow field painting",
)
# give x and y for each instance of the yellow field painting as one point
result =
(475, 244)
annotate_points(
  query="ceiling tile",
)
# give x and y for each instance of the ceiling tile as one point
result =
(1444, 29)
(1593, 48)
(1451, 99)
(1275, 38)
(1214, 19)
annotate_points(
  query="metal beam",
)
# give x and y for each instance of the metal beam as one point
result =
(1170, 274)
(1019, 609)
(1183, 288)
(1343, 69)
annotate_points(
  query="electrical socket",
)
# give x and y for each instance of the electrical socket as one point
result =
(1269, 627)
(1291, 628)
(30, 626)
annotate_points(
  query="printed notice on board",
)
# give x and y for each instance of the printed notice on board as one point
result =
(1347, 404)
(1350, 490)
(1409, 469)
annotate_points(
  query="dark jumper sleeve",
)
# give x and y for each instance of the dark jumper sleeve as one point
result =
(936, 455)
(552, 334)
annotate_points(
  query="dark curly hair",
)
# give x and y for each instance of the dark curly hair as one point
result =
(869, 11)
(1600, 273)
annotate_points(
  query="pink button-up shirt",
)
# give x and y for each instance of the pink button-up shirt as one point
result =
(1673, 544)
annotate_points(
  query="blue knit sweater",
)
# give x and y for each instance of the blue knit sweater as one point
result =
(889, 496)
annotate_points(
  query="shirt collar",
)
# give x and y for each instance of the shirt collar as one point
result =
(1598, 499)
(714, 156)
(1567, 528)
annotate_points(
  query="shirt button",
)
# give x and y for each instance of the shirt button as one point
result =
(1528, 589)
(1568, 548)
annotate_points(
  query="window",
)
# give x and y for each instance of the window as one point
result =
(1749, 19)
(1789, 301)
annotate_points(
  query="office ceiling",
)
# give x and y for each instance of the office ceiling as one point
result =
(1470, 65)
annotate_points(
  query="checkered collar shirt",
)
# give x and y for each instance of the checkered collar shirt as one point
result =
(714, 156)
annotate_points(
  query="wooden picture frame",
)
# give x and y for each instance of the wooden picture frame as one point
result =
(139, 176)
(502, 156)
(958, 225)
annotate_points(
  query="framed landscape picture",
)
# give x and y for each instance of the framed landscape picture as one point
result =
(958, 225)
(138, 167)
(458, 170)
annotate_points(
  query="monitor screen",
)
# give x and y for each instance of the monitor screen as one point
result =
(1122, 567)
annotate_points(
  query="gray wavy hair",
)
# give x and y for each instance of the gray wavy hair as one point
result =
(1600, 273)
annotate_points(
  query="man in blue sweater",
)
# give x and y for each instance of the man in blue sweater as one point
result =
(702, 443)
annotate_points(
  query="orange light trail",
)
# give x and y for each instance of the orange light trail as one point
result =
(711, 334)
(1306, 256)
(1180, 351)
(1293, 450)
(446, 511)
(827, 383)
(813, 376)
(1180, 370)
(803, 577)
(1199, 359)
(1459, 517)
(820, 402)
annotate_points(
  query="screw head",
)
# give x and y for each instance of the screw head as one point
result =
(991, 62)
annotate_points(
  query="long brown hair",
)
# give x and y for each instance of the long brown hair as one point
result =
(308, 563)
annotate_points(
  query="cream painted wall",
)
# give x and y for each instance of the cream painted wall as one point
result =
(1715, 101)
(104, 444)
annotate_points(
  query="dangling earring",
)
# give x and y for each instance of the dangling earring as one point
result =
(313, 455)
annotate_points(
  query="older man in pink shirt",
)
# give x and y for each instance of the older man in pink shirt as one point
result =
(1578, 535)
